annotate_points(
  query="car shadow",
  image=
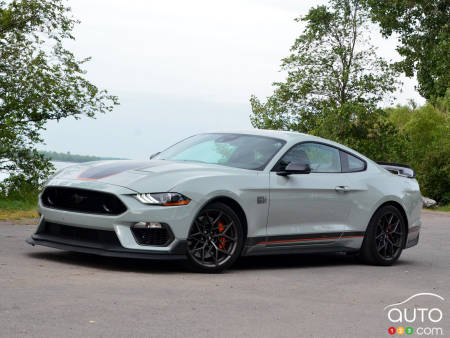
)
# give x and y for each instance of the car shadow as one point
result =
(288, 261)
(275, 262)
(110, 263)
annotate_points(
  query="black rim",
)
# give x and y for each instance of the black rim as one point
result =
(389, 236)
(213, 238)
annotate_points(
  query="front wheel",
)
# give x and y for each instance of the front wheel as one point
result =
(215, 239)
(385, 237)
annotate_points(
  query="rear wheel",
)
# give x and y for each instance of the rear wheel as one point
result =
(385, 237)
(215, 239)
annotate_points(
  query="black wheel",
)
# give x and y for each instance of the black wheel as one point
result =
(215, 239)
(384, 238)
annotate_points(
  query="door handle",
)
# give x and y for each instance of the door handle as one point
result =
(342, 188)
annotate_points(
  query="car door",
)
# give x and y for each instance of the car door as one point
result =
(308, 208)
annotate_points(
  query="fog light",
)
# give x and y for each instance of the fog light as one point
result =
(152, 233)
(148, 225)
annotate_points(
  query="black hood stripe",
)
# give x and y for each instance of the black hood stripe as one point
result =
(109, 169)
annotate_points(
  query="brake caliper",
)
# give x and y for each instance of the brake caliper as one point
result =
(222, 240)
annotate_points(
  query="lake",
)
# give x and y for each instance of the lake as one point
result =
(58, 165)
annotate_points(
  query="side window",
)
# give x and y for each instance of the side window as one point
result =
(321, 158)
(351, 163)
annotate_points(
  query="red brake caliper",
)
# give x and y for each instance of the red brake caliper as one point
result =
(221, 239)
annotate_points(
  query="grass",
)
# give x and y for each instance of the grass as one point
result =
(13, 209)
(445, 208)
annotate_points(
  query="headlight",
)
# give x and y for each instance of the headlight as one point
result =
(163, 198)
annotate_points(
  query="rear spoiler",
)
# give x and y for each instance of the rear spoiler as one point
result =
(398, 169)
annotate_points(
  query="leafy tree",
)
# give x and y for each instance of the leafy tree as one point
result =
(335, 83)
(427, 130)
(40, 80)
(424, 35)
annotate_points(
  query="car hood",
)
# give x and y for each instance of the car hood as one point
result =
(143, 176)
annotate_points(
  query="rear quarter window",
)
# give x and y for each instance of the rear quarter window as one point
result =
(351, 163)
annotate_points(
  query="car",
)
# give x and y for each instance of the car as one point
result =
(214, 197)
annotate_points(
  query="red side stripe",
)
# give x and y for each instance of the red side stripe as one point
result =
(306, 239)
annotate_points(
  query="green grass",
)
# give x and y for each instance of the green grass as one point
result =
(14, 209)
(445, 208)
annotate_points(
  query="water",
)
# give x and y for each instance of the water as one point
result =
(58, 165)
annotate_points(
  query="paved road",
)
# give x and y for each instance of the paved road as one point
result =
(49, 293)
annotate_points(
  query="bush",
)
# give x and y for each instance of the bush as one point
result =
(426, 130)
(18, 188)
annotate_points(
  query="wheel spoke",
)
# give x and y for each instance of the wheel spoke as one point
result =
(208, 218)
(380, 247)
(216, 256)
(395, 227)
(390, 220)
(209, 249)
(197, 225)
(224, 252)
(391, 246)
(217, 218)
(196, 234)
(200, 247)
(224, 236)
(227, 227)
(203, 253)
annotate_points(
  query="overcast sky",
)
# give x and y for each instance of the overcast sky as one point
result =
(180, 67)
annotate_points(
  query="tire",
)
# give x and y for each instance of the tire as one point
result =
(215, 239)
(385, 237)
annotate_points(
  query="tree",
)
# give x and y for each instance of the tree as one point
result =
(424, 35)
(40, 80)
(426, 129)
(335, 82)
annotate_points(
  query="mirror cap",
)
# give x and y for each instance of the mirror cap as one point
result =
(295, 168)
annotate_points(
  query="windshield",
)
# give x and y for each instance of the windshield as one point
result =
(232, 150)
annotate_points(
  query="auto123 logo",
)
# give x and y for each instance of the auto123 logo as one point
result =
(419, 315)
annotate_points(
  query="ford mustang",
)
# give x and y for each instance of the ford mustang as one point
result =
(216, 196)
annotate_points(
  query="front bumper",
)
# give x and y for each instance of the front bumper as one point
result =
(176, 252)
(178, 219)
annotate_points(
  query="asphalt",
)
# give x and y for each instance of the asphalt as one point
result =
(50, 293)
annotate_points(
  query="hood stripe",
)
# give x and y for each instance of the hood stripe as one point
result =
(109, 169)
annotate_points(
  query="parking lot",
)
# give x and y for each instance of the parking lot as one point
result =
(50, 293)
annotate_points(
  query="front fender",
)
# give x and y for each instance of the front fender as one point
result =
(243, 189)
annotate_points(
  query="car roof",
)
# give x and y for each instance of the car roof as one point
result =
(281, 134)
(288, 136)
(291, 137)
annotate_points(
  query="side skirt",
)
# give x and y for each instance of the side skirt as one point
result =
(317, 242)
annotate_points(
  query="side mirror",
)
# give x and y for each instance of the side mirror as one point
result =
(295, 168)
(155, 154)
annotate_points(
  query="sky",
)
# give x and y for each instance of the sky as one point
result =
(180, 68)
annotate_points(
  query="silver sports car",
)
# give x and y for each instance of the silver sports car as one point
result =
(214, 197)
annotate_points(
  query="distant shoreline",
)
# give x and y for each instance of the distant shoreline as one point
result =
(74, 158)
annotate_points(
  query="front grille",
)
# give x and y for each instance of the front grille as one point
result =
(153, 236)
(81, 200)
(105, 237)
